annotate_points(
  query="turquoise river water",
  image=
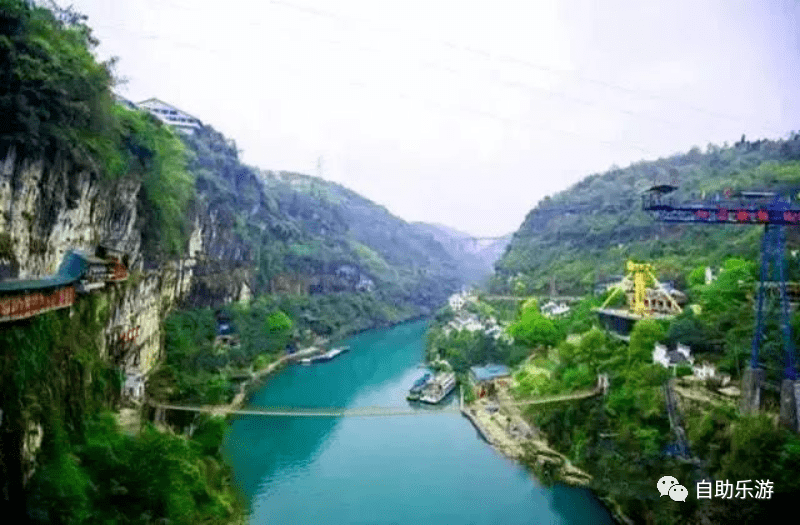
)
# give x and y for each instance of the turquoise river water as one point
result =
(396, 470)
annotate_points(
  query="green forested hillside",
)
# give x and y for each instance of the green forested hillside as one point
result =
(336, 228)
(605, 225)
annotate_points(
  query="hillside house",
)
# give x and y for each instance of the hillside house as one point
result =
(552, 309)
(672, 358)
(484, 378)
(226, 332)
(709, 371)
(456, 302)
(365, 284)
(171, 115)
(470, 323)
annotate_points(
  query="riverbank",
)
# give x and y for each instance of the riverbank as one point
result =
(246, 388)
(509, 434)
(503, 427)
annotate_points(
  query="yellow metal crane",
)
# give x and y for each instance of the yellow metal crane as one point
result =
(636, 281)
(640, 273)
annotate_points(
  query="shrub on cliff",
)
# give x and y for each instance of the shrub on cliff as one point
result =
(54, 96)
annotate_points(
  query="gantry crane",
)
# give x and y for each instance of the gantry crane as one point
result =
(775, 213)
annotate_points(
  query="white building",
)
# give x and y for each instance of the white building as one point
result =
(456, 302)
(709, 371)
(670, 358)
(705, 371)
(171, 115)
(134, 385)
(365, 284)
(470, 323)
(552, 309)
(497, 332)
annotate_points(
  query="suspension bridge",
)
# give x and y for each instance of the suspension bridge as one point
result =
(369, 411)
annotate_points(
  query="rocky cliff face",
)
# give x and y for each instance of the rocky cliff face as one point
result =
(49, 209)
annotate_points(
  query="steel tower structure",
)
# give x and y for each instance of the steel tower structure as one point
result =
(774, 213)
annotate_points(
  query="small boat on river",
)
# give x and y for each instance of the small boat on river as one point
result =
(418, 387)
(327, 356)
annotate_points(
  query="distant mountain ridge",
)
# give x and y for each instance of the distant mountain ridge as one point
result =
(477, 255)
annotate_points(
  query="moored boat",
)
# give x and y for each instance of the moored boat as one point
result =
(438, 388)
(327, 356)
(416, 389)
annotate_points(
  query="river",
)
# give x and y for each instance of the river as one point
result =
(397, 470)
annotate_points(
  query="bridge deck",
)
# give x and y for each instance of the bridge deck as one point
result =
(372, 411)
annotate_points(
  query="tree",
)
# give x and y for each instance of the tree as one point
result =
(687, 329)
(591, 346)
(534, 329)
(645, 334)
(278, 323)
(726, 304)
(54, 95)
(697, 277)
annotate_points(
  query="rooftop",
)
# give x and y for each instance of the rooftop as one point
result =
(488, 372)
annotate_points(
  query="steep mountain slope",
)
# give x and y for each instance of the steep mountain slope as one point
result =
(347, 238)
(588, 231)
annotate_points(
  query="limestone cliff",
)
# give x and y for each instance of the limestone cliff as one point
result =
(50, 208)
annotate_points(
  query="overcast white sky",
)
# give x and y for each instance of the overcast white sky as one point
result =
(463, 113)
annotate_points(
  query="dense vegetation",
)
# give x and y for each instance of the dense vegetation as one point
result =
(588, 244)
(87, 470)
(530, 330)
(197, 370)
(57, 104)
(54, 96)
(340, 228)
(110, 477)
(624, 440)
